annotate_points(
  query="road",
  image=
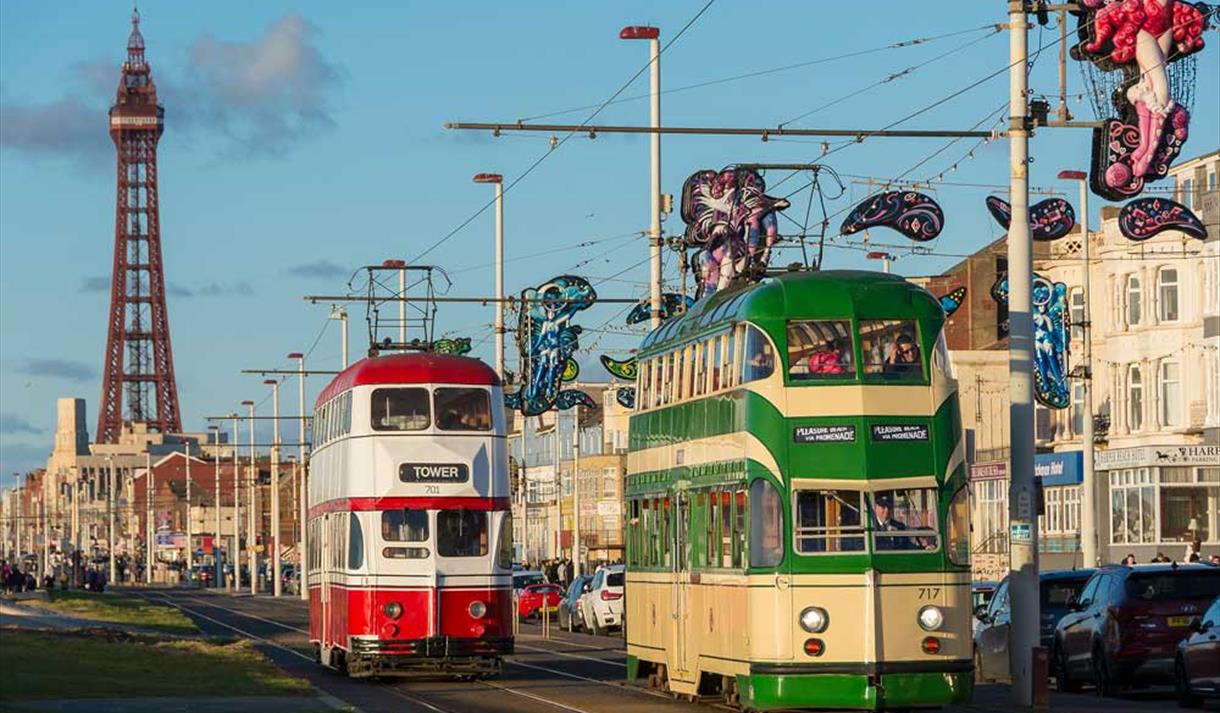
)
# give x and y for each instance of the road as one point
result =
(576, 673)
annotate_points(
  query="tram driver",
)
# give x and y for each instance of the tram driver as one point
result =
(885, 521)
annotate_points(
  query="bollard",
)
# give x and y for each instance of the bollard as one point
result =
(546, 619)
(1040, 677)
(516, 616)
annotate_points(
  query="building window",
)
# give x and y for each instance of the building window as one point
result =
(1188, 193)
(1167, 290)
(1134, 295)
(1132, 506)
(1135, 399)
(992, 500)
(1171, 394)
(1062, 511)
(1078, 408)
(1076, 300)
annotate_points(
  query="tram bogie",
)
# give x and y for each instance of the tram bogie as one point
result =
(797, 513)
(410, 560)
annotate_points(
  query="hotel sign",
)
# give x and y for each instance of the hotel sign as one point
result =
(1144, 456)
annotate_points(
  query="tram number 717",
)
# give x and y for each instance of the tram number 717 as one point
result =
(929, 592)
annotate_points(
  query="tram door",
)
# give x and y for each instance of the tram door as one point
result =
(324, 581)
(680, 654)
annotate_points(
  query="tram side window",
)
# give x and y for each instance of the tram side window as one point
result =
(730, 360)
(890, 348)
(504, 553)
(904, 519)
(665, 533)
(463, 409)
(347, 413)
(355, 542)
(820, 349)
(739, 529)
(766, 525)
(400, 410)
(957, 522)
(758, 358)
(828, 521)
(461, 533)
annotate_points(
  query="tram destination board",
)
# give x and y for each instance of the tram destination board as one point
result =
(899, 432)
(824, 434)
(433, 472)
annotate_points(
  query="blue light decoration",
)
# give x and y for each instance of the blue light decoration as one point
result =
(951, 301)
(671, 304)
(1049, 219)
(732, 221)
(625, 396)
(547, 340)
(915, 215)
(1052, 339)
(1143, 218)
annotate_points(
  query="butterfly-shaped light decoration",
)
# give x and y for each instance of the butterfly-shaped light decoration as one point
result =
(1049, 219)
(625, 369)
(459, 345)
(1143, 218)
(951, 301)
(913, 214)
(625, 396)
(671, 302)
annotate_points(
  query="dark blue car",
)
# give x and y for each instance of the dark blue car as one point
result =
(991, 635)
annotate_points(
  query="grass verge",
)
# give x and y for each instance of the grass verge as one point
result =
(109, 608)
(44, 664)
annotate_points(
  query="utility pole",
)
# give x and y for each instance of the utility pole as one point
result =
(237, 548)
(402, 305)
(302, 474)
(251, 528)
(111, 534)
(1023, 518)
(216, 537)
(340, 314)
(274, 541)
(1088, 483)
(577, 556)
(190, 543)
(498, 180)
(653, 35)
(150, 530)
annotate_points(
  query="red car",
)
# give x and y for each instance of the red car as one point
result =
(1126, 624)
(536, 596)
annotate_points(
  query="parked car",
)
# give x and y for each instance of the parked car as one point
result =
(537, 598)
(570, 617)
(980, 596)
(1196, 669)
(1055, 590)
(601, 605)
(1126, 624)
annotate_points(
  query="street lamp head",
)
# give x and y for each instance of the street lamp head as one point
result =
(247, 403)
(639, 32)
(270, 382)
(488, 178)
(1073, 175)
(879, 255)
(399, 264)
(295, 355)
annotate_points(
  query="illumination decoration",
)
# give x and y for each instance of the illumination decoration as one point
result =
(547, 340)
(459, 345)
(1143, 218)
(671, 303)
(625, 369)
(625, 396)
(1049, 219)
(915, 215)
(951, 301)
(732, 221)
(1141, 39)
(1052, 338)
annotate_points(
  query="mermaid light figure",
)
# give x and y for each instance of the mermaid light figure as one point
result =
(1152, 34)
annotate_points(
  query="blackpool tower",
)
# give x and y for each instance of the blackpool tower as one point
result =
(138, 384)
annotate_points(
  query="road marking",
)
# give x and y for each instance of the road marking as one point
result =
(533, 697)
(620, 686)
(250, 616)
(571, 655)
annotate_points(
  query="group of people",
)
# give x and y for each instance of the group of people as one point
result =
(899, 355)
(14, 578)
(557, 571)
(1193, 554)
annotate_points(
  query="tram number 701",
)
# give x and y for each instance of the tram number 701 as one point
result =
(432, 490)
(929, 592)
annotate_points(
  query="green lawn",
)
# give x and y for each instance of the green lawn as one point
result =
(108, 608)
(72, 665)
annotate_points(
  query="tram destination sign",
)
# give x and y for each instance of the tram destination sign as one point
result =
(824, 434)
(433, 472)
(899, 432)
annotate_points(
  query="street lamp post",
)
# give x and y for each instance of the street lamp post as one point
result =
(498, 181)
(1088, 484)
(216, 537)
(340, 314)
(884, 257)
(653, 35)
(151, 512)
(190, 545)
(111, 534)
(302, 474)
(251, 528)
(577, 556)
(274, 540)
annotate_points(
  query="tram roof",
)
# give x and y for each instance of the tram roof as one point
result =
(411, 368)
(804, 295)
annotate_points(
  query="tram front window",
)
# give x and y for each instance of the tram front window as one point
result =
(820, 349)
(461, 533)
(829, 521)
(904, 519)
(400, 410)
(460, 409)
(889, 348)
(404, 526)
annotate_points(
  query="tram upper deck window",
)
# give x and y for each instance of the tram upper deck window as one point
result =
(820, 350)
(461, 533)
(758, 357)
(400, 410)
(889, 348)
(904, 520)
(828, 521)
(463, 409)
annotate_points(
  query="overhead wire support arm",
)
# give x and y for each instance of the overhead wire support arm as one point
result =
(481, 300)
(762, 133)
(289, 372)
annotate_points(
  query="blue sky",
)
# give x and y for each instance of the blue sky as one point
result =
(305, 139)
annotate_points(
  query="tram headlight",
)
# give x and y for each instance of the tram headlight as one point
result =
(814, 620)
(477, 609)
(393, 610)
(931, 618)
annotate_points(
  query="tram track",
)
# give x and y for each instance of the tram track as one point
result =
(566, 675)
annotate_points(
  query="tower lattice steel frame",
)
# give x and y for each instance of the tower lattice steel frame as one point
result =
(139, 363)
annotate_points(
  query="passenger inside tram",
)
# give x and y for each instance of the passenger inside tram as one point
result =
(463, 410)
(903, 355)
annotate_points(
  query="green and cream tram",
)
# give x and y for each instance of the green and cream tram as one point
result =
(798, 530)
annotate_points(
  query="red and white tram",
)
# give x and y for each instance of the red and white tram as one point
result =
(410, 531)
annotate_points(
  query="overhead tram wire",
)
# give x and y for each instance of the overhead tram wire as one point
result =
(903, 44)
(537, 162)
